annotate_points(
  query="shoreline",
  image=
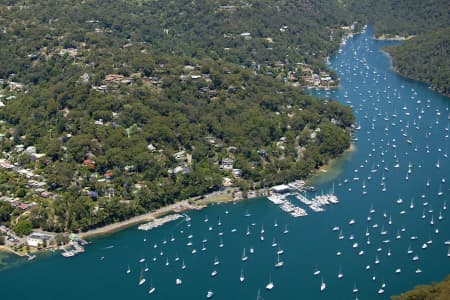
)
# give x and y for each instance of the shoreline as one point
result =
(9, 250)
(178, 207)
(196, 203)
(325, 168)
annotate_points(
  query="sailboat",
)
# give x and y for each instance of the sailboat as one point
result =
(322, 286)
(244, 257)
(152, 289)
(409, 250)
(128, 270)
(377, 260)
(440, 193)
(285, 229)
(316, 272)
(216, 261)
(355, 289)
(270, 285)
(146, 268)
(209, 294)
(141, 278)
(183, 266)
(274, 243)
(280, 251)
(242, 278)
(279, 262)
(340, 275)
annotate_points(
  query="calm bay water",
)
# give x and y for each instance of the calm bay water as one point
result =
(403, 142)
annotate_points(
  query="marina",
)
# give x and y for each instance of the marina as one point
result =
(382, 228)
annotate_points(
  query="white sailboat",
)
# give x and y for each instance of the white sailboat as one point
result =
(128, 270)
(152, 289)
(270, 285)
(244, 257)
(316, 271)
(440, 193)
(141, 278)
(323, 286)
(279, 263)
(242, 278)
(274, 243)
(216, 261)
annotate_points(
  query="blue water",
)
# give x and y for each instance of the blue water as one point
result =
(412, 112)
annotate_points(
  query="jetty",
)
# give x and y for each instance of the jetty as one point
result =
(159, 222)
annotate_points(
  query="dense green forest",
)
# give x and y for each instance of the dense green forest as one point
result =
(435, 291)
(425, 58)
(120, 107)
(401, 17)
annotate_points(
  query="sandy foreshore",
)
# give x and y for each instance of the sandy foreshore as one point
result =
(9, 250)
(176, 207)
(196, 203)
(330, 164)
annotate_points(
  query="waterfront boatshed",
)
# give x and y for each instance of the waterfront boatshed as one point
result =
(37, 239)
(280, 189)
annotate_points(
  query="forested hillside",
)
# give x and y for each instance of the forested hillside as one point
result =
(401, 17)
(435, 291)
(113, 108)
(425, 58)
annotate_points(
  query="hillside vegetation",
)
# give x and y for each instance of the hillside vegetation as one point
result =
(435, 291)
(425, 58)
(114, 108)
